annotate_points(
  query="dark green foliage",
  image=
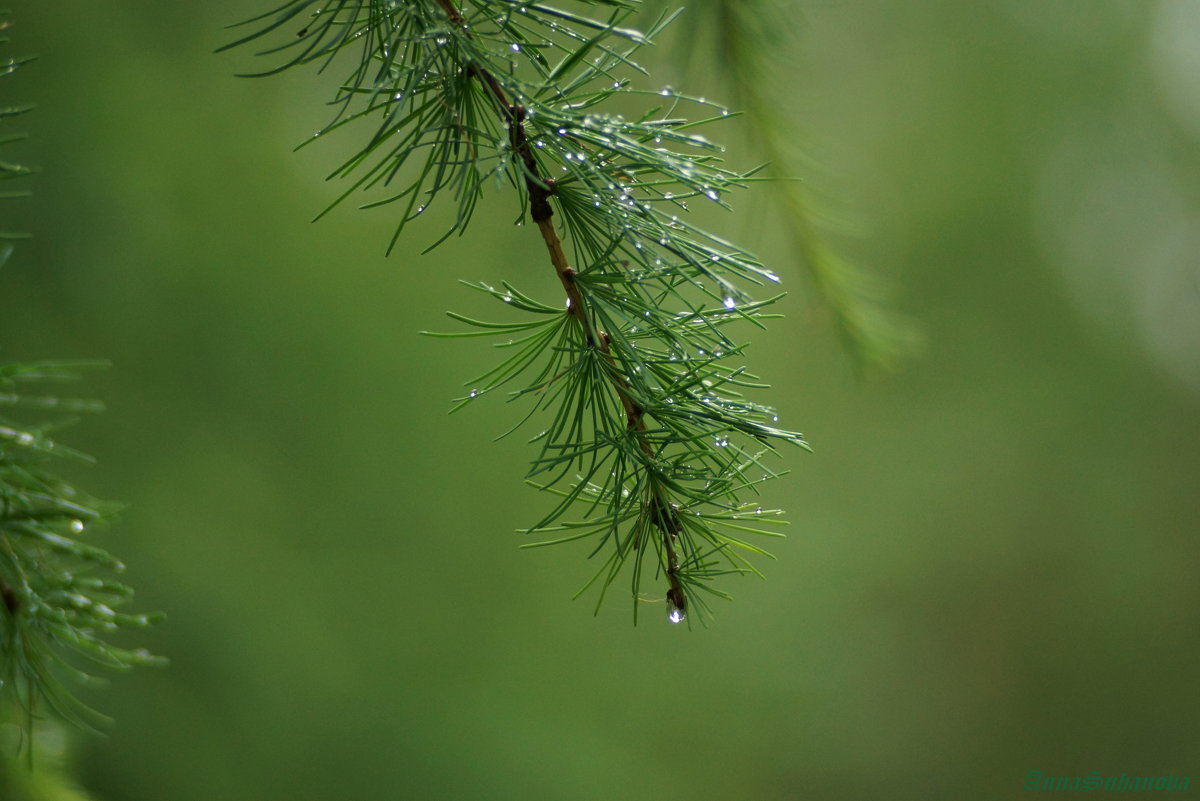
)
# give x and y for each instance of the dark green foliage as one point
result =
(58, 597)
(650, 443)
(747, 38)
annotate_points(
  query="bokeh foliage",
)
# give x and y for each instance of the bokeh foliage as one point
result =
(996, 567)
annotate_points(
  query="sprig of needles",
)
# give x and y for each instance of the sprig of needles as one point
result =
(59, 598)
(654, 448)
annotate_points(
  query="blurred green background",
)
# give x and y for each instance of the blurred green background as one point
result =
(992, 567)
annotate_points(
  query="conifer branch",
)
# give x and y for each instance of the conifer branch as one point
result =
(58, 599)
(650, 433)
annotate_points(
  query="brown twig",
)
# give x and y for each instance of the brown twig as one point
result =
(664, 515)
(11, 602)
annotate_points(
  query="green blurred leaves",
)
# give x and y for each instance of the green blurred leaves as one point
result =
(748, 38)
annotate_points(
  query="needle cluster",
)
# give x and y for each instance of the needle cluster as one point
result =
(651, 443)
(60, 595)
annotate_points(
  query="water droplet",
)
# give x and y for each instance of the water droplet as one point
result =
(562, 131)
(676, 615)
(516, 48)
(24, 438)
(77, 526)
(441, 40)
(715, 257)
(474, 392)
(666, 91)
(730, 303)
(721, 442)
(711, 194)
(507, 298)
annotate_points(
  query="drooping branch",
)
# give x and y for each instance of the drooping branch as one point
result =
(59, 596)
(651, 435)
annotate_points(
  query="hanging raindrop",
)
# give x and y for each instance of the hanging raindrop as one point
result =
(678, 605)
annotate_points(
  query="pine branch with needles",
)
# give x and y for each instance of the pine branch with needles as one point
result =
(59, 595)
(651, 446)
